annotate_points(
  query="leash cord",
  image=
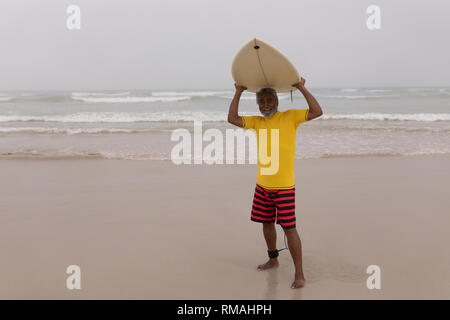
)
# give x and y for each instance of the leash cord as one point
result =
(285, 244)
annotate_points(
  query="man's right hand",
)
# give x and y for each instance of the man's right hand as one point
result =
(239, 88)
(233, 116)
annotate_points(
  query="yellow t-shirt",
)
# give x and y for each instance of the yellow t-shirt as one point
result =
(276, 173)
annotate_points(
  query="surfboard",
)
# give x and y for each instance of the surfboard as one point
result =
(259, 65)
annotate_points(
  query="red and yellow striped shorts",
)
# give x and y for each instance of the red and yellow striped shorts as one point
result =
(274, 205)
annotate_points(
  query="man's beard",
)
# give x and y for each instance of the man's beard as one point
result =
(269, 113)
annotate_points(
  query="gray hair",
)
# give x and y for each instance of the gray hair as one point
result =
(267, 90)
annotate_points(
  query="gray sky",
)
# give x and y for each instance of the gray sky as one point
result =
(190, 44)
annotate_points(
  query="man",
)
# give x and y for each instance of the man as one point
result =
(274, 197)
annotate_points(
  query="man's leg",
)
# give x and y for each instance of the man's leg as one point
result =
(270, 234)
(295, 247)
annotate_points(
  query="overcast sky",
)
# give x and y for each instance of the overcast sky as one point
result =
(190, 44)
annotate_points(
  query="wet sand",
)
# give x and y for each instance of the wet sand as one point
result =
(154, 230)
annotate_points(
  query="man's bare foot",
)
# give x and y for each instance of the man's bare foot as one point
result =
(269, 264)
(299, 282)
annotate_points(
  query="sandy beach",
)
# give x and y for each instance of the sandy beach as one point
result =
(155, 230)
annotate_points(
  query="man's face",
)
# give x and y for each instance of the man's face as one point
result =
(267, 104)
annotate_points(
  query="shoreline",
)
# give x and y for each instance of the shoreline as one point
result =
(100, 157)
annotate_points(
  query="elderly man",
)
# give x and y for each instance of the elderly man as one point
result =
(274, 197)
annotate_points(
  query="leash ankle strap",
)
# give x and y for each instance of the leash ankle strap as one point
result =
(272, 254)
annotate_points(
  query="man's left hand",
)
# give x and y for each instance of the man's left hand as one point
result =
(300, 85)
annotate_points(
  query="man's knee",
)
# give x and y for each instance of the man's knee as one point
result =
(290, 231)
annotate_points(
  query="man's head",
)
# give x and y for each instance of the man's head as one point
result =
(267, 100)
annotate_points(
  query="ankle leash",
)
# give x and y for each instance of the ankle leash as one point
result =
(275, 253)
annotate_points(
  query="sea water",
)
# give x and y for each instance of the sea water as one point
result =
(130, 124)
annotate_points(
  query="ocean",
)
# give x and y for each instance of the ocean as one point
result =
(137, 125)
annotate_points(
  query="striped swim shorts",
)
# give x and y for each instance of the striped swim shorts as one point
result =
(274, 205)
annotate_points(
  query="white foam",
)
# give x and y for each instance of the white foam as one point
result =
(100, 94)
(73, 131)
(129, 99)
(355, 97)
(182, 116)
(385, 128)
(379, 90)
(427, 117)
(92, 117)
(426, 89)
(189, 93)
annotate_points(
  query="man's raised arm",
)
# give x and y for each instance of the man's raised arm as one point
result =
(314, 108)
(233, 116)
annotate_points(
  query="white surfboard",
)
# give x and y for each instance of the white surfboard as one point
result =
(258, 65)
